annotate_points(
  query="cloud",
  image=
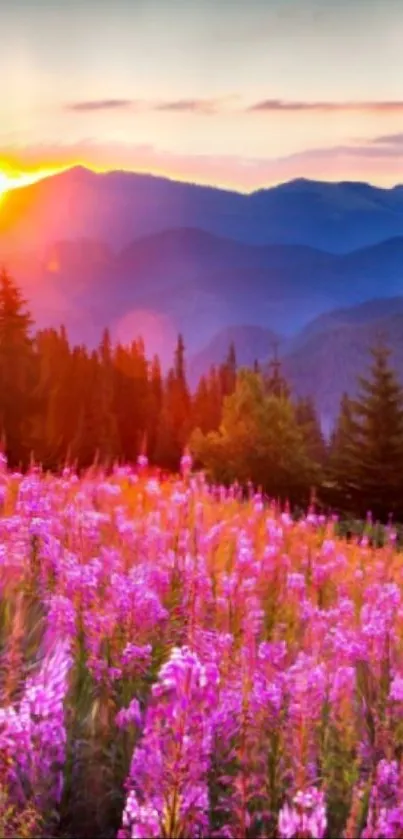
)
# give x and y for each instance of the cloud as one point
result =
(278, 105)
(390, 140)
(202, 106)
(371, 150)
(223, 104)
(100, 105)
(371, 161)
(195, 106)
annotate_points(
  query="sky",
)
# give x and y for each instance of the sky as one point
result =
(224, 92)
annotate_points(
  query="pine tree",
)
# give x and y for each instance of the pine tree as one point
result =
(155, 396)
(53, 397)
(179, 361)
(372, 455)
(228, 372)
(175, 418)
(341, 465)
(201, 407)
(308, 420)
(102, 409)
(17, 372)
(379, 453)
(258, 440)
(215, 400)
(274, 380)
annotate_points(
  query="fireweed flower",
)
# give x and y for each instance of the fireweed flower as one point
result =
(385, 813)
(306, 818)
(61, 620)
(129, 716)
(33, 735)
(396, 689)
(168, 774)
(306, 688)
(287, 617)
(342, 686)
(136, 658)
(186, 463)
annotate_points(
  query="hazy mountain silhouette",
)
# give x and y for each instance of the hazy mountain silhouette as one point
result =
(251, 343)
(326, 358)
(329, 362)
(146, 255)
(118, 207)
(198, 283)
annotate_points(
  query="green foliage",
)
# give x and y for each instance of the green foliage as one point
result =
(61, 404)
(174, 422)
(308, 420)
(367, 448)
(17, 372)
(258, 440)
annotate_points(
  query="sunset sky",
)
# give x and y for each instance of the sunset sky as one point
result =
(240, 94)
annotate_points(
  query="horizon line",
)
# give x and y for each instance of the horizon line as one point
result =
(30, 179)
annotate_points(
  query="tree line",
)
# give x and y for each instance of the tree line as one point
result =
(61, 403)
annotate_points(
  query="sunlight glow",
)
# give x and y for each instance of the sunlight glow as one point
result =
(12, 179)
(4, 185)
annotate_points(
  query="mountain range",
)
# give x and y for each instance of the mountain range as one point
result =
(118, 207)
(318, 264)
(323, 360)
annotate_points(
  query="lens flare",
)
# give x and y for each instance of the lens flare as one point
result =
(4, 184)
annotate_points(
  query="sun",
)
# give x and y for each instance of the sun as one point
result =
(4, 184)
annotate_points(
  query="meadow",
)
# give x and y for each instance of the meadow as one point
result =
(177, 661)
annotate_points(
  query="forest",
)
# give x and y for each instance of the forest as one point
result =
(63, 404)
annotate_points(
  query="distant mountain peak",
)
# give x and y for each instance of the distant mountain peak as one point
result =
(77, 171)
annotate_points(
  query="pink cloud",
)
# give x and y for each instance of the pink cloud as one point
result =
(274, 105)
(195, 106)
(375, 162)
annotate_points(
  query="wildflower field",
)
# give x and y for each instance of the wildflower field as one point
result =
(179, 662)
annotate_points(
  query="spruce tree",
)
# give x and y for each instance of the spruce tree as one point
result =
(201, 407)
(17, 372)
(274, 380)
(373, 454)
(258, 440)
(155, 396)
(308, 420)
(228, 372)
(175, 418)
(341, 466)
(52, 437)
(107, 436)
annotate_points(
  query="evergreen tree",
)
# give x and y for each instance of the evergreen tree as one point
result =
(167, 449)
(53, 397)
(370, 462)
(155, 396)
(228, 372)
(215, 400)
(274, 380)
(207, 403)
(175, 418)
(308, 420)
(341, 483)
(17, 372)
(201, 406)
(131, 397)
(258, 440)
(179, 362)
(103, 394)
